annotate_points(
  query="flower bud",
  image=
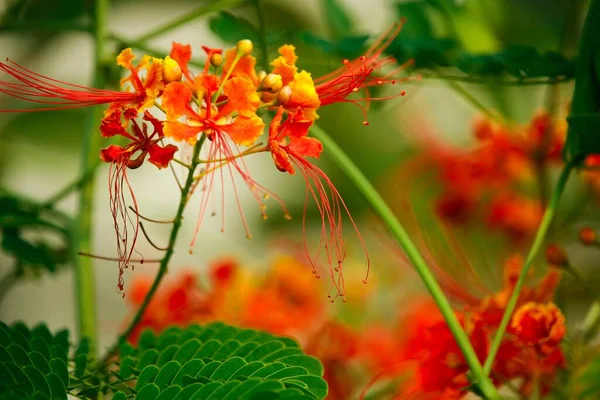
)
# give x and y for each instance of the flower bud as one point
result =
(245, 47)
(216, 60)
(588, 236)
(171, 70)
(556, 256)
(284, 95)
(261, 75)
(271, 83)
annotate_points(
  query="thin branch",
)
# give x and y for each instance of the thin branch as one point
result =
(149, 240)
(156, 221)
(64, 192)
(133, 260)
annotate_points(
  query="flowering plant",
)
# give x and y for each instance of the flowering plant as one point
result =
(266, 334)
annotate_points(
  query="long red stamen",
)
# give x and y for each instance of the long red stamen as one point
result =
(121, 217)
(220, 149)
(359, 74)
(331, 206)
(41, 89)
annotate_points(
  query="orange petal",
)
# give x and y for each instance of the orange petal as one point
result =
(176, 100)
(245, 67)
(181, 132)
(182, 53)
(161, 156)
(111, 153)
(297, 125)
(285, 64)
(245, 130)
(125, 58)
(303, 94)
(281, 158)
(306, 147)
(153, 82)
(241, 97)
(275, 124)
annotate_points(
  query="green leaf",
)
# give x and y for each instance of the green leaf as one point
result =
(188, 391)
(59, 392)
(311, 364)
(119, 396)
(232, 29)
(38, 379)
(41, 345)
(267, 370)
(19, 355)
(259, 391)
(81, 361)
(148, 357)
(206, 390)
(169, 393)
(126, 367)
(167, 355)
(149, 392)
(264, 350)
(337, 18)
(187, 351)
(228, 368)
(242, 388)
(222, 391)
(59, 367)
(585, 135)
(247, 370)
(316, 385)
(417, 23)
(191, 368)
(147, 376)
(167, 373)
(39, 361)
(23, 382)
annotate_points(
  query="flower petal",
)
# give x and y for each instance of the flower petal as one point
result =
(161, 156)
(245, 67)
(241, 97)
(176, 100)
(285, 64)
(275, 124)
(281, 158)
(306, 147)
(125, 58)
(111, 153)
(245, 130)
(181, 132)
(182, 53)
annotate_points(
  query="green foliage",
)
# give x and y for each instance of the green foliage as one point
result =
(33, 362)
(19, 217)
(338, 20)
(583, 137)
(217, 361)
(232, 29)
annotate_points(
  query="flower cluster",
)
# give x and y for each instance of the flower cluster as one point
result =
(221, 112)
(492, 180)
(417, 353)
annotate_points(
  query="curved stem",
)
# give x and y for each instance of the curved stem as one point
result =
(535, 248)
(395, 228)
(164, 262)
(85, 289)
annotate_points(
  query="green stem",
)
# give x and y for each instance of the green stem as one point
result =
(209, 7)
(496, 81)
(535, 248)
(85, 290)
(389, 219)
(262, 25)
(164, 263)
(64, 192)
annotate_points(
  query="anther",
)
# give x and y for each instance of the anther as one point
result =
(171, 70)
(365, 123)
(272, 83)
(216, 60)
(588, 236)
(245, 47)
(403, 93)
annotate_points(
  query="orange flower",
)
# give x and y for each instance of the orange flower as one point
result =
(131, 156)
(148, 88)
(290, 148)
(518, 216)
(542, 325)
(357, 75)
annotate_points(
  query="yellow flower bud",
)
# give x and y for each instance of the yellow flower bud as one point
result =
(261, 75)
(171, 70)
(271, 83)
(284, 95)
(216, 60)
(245, 47)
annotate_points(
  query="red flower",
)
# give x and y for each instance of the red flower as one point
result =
(289, 147)
(131, 156)
(57, 94)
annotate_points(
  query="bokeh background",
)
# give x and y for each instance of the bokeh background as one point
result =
(40, 153)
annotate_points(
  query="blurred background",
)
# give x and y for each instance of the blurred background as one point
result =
(474, 60)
